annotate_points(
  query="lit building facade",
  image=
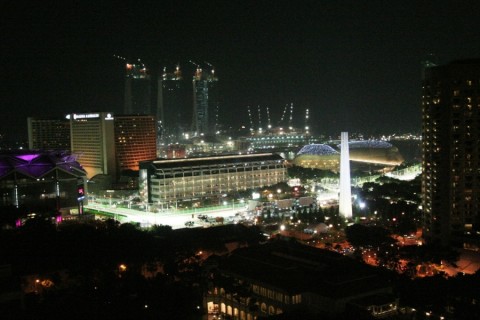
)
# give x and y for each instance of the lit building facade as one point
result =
(138, 89)
(318, 156)
(104, 144)
(205, 102)
(48, 134)
(92, 139)
(450, 152)
(135, 140)
(163, 181)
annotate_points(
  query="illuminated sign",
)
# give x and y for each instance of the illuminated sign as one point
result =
(80, 192)
(86, 116)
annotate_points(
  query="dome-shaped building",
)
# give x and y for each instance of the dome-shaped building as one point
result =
(324, 157)
(375, 152)
(318, 156)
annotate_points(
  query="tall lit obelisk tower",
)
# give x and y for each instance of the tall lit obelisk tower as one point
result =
(345, 203)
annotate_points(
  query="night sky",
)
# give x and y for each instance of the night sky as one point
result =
(355, 64)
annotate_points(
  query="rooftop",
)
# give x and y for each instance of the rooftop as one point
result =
(199, 161)
(296, 268)
(318, 149)
(36, 164)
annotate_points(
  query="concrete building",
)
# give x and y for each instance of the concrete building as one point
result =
(167, 180)
(48, 134)
(450, 148)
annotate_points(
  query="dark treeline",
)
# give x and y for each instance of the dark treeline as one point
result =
(84, 261)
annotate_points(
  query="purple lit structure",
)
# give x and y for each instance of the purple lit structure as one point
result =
(36, 178)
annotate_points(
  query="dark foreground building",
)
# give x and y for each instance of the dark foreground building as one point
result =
(450, 145)
(287, 278)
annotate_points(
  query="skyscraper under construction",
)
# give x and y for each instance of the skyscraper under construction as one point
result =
(137, 89)
(205, 102)
(174, 106)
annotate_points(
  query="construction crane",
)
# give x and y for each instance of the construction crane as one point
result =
(307, 117)
(269, 124)
(119, 57)
(250, 118)
(194, 63)
(259, 119)
(283, 113)
(290, 120)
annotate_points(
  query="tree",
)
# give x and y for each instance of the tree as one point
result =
(368, 236)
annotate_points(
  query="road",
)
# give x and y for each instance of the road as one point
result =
(172, 218)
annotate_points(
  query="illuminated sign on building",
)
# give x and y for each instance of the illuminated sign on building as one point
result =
(86, 116)
(109, 116)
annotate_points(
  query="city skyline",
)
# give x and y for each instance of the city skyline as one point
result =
(355, 66)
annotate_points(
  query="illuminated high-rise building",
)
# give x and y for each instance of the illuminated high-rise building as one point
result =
(174, 106)
(103, 144)
(48, 134)
(138, 90)
(135, 141)
(93, 140)
(450, 152)
(205, 102)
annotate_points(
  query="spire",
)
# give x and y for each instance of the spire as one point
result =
(345, 202)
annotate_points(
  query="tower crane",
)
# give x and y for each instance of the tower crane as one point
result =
(250, 118)
(269, 124)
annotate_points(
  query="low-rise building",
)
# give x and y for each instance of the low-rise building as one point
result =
(166, 180)
(286, 277)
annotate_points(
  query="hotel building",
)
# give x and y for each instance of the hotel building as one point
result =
(48, 134)
(92, 139)
(135, 140)
(110, 145)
